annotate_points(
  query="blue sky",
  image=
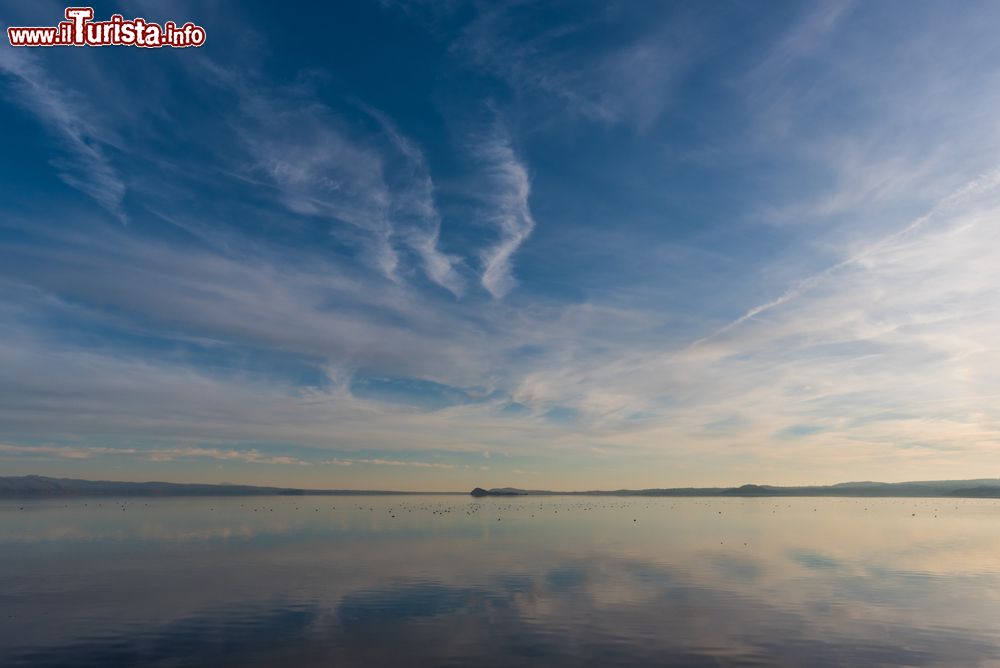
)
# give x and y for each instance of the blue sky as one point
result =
(431, 245)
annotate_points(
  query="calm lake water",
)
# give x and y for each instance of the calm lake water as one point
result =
(448, 580)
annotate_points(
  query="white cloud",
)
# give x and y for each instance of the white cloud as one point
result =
(414, 211)
(251, 456)
(627, 81)
(321, 166)
(61, 452)
(86, 166)
(510, 211)
(977, 187)
(319, 170)
(390, 462)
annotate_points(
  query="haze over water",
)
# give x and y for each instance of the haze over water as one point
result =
(449, 580)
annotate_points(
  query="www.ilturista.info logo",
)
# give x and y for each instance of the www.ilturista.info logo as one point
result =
(79, 29)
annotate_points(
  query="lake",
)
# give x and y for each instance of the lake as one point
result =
(545, 581)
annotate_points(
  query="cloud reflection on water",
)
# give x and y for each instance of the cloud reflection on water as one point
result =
(691, 582)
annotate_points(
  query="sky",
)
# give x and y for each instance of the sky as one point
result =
(557, 245)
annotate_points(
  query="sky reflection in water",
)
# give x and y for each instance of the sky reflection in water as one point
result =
(541, 581)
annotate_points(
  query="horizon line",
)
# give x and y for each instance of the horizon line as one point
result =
(751, 488)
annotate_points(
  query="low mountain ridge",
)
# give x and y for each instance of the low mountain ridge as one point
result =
(980, 488)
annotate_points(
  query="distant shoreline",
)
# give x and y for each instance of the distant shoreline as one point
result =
(968, 489)
(35, 486)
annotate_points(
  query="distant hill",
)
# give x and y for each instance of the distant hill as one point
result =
(41, 486)
(504, 491)
(984, 488)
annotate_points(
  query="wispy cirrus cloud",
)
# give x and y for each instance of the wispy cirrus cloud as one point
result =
(318, 169)
(611, 81)
(323, 166)
(86, 165)
(319, 310)
(170, 454)
(830, 77)
(414, 212)
(62, 452)
(510, 212)
(390, 462)
(249, 456)
(975, 188)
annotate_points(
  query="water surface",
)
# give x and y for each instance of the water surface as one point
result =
(547, 581)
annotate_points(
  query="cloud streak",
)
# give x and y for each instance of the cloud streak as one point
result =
(977, 187)
(413, 208)
(171, 454)
(389, 462)
(86, 166)
(510, 211)
(323, 166)
(613, 82)
(250, 456)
